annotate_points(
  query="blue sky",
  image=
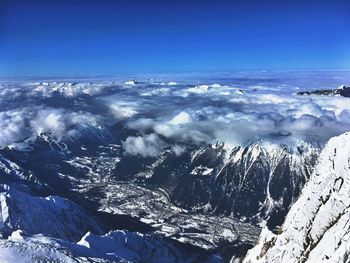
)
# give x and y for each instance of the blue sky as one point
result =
(114, 37)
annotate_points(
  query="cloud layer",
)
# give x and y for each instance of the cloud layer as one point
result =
(187, 112)
(16, 125)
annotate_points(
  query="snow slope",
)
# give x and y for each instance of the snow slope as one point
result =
(317, 228)
(115, 246)
(53, 216)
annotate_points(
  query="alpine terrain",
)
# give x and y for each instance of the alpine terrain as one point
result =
(317, 227)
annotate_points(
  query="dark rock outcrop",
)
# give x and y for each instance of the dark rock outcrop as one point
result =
(342, 91)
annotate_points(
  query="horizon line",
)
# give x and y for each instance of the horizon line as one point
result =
(121, 74)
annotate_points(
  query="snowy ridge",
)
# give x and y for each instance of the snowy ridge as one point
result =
(317, 227)
(115, 246)
(52, 215)
(12, 174)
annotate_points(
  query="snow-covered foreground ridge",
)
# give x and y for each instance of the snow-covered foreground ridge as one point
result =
(317, 228)
(54, 229)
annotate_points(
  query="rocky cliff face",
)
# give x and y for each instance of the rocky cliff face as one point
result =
(317, 227)
(255, 182)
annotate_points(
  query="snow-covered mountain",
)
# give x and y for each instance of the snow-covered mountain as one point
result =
(317, 227)
(258, 181)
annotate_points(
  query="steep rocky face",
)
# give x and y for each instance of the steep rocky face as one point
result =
(260, 182)
(190, 176)
(252, 182)
(316, 228)
(242, 183)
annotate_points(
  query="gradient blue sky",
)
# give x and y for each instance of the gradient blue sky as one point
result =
(111, 37)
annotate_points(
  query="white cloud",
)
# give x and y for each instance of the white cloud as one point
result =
(49, 120)
(156, 92)
(122, 111)
(12, 126)
(141, 124)
(147, 146)
(182, 118)
(188, 134)
(178, 149)
(18, 124)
